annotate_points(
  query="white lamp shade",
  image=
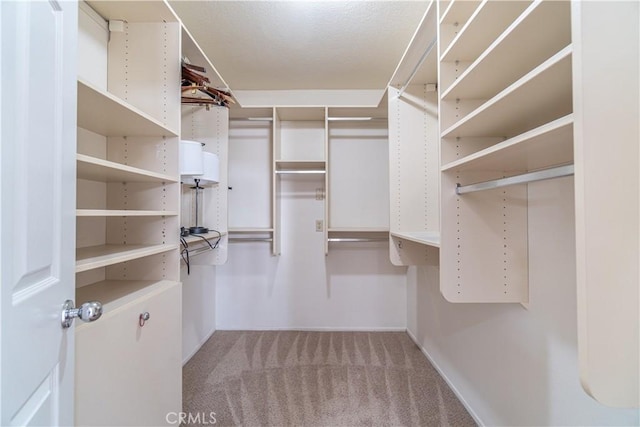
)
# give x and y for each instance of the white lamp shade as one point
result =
(191, 158)
(211, 173)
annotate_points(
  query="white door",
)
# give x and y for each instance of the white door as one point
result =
(37, 210)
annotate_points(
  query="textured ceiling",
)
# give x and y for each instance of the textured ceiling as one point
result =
(276, 45)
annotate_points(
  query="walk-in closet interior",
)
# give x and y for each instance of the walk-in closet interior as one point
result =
(484, 199)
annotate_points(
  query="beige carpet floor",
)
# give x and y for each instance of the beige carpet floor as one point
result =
(292, 378)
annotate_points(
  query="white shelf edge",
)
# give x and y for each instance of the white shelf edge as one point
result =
(462, 30)
(520, 139)
(121, 212)
(533, 8)
(423, 237)
(445, 14)
(512, 89)
(106, 255)
(125, 106)
(118, 167)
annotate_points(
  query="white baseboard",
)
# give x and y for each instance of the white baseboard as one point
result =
(195, 350)
(316, 329)
(447, 380)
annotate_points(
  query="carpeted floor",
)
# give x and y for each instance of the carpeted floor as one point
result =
(274, 378)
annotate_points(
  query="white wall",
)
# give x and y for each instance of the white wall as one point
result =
(198, 305)
(354, 288)
(511, 365)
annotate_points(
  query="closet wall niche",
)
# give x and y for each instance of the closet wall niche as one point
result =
(336, 156)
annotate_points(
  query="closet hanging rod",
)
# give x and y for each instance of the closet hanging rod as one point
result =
(540, 175)
(249, 239)
(252, 119)
(355, 119)
(356, 239)
(426, 53)
(300, 171)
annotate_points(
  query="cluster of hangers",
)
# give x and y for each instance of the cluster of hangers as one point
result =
(197, 83)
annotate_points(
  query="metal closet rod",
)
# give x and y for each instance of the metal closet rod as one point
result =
(426, 53)
(300, 171)
(356, 239)
(250, 239)
(540, 175)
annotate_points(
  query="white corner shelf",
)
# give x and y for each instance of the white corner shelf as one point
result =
(487, 22)
(515, 52)
(122, 212)
(542, 95)
(108, 115)
(104, 255)
(95, 169)
(548, 145)
(428, 238)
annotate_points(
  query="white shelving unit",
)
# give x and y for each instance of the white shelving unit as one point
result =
(505, 110)
(299, 152)
(606, 76)
(251, 175)
(128, 204)
(414, 149)
(358, 163)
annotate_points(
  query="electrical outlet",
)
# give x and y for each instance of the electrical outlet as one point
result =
(319, 225)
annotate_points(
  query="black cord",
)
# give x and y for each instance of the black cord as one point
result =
(205, 239)
(183, 252)
(185, 245)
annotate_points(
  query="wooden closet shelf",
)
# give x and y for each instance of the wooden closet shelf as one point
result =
(537, 98)
(429, 238)
(548, 145)
(514, 52)
(486, 23)
(101, 256)
(108, 115)
(95, 169)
